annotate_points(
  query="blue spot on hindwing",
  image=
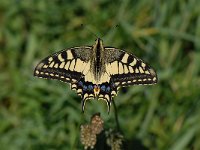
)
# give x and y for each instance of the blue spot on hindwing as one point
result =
(108, 89)
(112, 85)
(90, 87)
(80, 83)
(103, 88)
(84, 88)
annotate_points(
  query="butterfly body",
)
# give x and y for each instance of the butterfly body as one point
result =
(96, 71)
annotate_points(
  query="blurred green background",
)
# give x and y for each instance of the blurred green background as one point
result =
(42, 114)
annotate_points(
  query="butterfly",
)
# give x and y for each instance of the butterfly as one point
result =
(96, 71)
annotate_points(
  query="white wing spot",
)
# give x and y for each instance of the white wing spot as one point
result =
(143, 65)
(136, 70)
(56, 65)
(85, 95)
(152, 72)
(141, 70)
(147, 72)
(51, 65)
(45, 66)
(131, 69)
(37, 72)
(107, 97)
(91, 95)
(125, 58)
(74, 86)
(69, 55)
(113, 93)
(60, 57)
(50, 59)
(62, 65)
(73, 80)
(126, 69)
(79, 91)
(116, 83)
(100, 96)
(72, 65)
(134, 62)
(67, 65)
(120, 68)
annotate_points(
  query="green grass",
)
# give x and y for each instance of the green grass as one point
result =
(41, 114)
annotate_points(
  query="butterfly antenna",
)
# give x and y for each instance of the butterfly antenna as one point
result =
(112, 29)
(84, 26)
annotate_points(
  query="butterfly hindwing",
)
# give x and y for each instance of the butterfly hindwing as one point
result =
(66, 65)
(107, 92)
(126, 69)
(85, 90)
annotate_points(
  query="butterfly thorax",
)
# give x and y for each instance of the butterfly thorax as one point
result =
(97, 64)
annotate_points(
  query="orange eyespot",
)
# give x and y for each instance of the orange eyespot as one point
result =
(96, 90)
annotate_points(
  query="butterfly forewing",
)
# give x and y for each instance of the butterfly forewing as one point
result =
(66, 65)
(126, 69)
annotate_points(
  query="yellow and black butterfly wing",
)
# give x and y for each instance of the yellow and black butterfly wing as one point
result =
(126, 69)
(67, 65)
(78, 66)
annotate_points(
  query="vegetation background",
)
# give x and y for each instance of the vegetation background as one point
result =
(41, 114)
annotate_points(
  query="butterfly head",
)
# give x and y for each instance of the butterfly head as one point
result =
(98, 44)
(98, 40)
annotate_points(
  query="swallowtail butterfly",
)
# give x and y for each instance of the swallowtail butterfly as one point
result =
(96, 71)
